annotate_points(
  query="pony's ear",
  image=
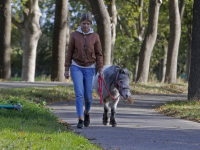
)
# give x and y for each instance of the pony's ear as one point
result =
(126, 72)
(121, 71)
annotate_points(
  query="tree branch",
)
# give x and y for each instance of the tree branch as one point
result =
(16, 23)
(123, 26)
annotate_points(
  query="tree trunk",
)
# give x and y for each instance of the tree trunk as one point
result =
(194, 80)
(141, 26)
(113, 15)
(149, 41)
(163, 61)
(189, 47)
(67, 34)
(30, 32)
(141, 29)
(59, 41)
(173, 44)
(104, 28)
(5, 38)
(136, 68)
(188, 57)
(182, 8)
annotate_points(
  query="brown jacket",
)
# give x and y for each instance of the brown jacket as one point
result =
(84, 56)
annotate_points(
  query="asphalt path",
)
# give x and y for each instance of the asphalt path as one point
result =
(139, 126)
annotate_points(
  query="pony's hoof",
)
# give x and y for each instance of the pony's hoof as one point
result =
(114, 125)
(105, 123)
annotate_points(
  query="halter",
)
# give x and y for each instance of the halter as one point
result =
(120, 87)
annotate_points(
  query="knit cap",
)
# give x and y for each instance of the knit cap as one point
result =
(87, 17)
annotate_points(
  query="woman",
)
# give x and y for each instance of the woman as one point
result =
(84, 50)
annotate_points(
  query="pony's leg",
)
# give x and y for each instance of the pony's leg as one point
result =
(105, 114)
(113, 112)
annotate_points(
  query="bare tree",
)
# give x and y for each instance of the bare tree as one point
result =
(104, 28)
(149, 41)
(5, 37)
(59, 40)
(194, 80)
(173, 44)
(30, 32)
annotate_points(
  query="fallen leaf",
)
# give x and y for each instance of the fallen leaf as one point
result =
(22, 133)
(130, 100)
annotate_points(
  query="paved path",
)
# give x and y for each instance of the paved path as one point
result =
(139, 126)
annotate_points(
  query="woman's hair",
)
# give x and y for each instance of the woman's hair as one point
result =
(87, 17)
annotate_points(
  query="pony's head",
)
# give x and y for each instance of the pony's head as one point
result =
(122, 83)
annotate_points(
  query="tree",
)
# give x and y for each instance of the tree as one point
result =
(188, 22)
(163, 62)
(30, 32)
(59, 40)
(182, 8)
(140, 34)
(194, 80)
(5, 39)
(149, 41)
(104, 28)
(112, 10)
(173, 44)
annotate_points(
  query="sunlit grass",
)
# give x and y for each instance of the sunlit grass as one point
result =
(40, 94)
(158, 88)
(36, 127)
(182, 109)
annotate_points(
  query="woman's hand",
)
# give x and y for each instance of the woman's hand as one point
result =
(101, 72)
(66, 73)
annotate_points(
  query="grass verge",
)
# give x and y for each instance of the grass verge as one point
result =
(158, 88)
(182, 109)
(35, 127)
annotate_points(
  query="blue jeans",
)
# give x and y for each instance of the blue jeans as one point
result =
(83, 87)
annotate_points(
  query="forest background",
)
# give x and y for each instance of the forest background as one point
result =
(131, 23)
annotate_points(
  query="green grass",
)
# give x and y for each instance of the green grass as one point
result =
(158, 88)
(189, 110)
(35, 127)
(38, 94)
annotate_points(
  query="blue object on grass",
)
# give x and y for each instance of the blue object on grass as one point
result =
(18, 106)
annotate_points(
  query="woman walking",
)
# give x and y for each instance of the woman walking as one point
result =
(84, 50)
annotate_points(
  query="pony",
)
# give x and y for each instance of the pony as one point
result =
(117, 82)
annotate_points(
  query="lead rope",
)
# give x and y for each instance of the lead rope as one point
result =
(100, 79)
